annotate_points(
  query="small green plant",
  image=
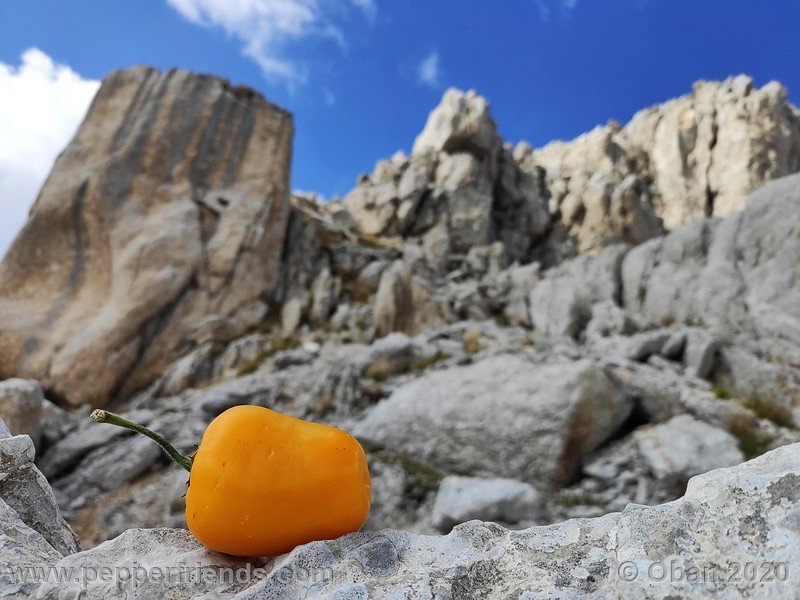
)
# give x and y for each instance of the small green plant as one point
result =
(422, 479)
(722, 392)
(424, 363)
(281, 343)
(570, 499)
(767, 408)
(752, 441)
(249, 367)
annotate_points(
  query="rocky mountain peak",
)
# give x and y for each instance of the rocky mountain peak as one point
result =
(460, 123)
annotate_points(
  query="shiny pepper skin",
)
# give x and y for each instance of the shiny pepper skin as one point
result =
(262, 483)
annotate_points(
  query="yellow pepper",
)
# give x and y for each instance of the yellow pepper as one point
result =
(262, 483)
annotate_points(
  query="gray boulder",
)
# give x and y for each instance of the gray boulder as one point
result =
(462, 499)
(684, 447)
(561, 303)
(26, 492)
(502, 416)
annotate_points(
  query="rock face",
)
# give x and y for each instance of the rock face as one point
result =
(736, 276)
(168, 207)
(696, 156)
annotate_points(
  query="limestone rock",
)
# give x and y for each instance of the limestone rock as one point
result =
(462, 499)
(26, 493)
(169, 205)
(460, 188)
(502, 416)
(23, 548)
(601, 192)
(405, 302)
(134, 557)
(711, 148)
(396, 353)
(561, 303)
(695, 156)
(684, 447)
(735, 277)
(699, 352)
(461, 123)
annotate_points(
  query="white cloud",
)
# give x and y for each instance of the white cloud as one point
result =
(41, 106)
(428, 71)
(546, 7)
(266, 27)
(368, 6)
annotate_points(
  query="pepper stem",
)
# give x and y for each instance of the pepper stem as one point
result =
(103, 416)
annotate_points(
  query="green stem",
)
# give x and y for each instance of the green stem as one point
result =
(103, 416)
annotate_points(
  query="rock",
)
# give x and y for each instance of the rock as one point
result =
(467, 181)
(734, 277)
(124, 568)
(520, 218)
(192, 370)
(21, 407)
(292, 315)
(674, 346)
(608, 319)
(462, 499)
(404, 302)
(501, 416)
(561, 303)
(209, 160)
(684, 447)
(638, 347)
(677, 162)
(23, 552)
(708, 150)
(241, 354)
(154, 500)
(700, 352)
(601, 193)
(25, 492)
(460, 188)
(520, 281)
(394, 354)
(324, 296)
(461, 123)
(107, 468)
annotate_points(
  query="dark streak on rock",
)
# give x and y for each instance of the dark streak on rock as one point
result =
(240, 141)
(118, 180)
(60, 304)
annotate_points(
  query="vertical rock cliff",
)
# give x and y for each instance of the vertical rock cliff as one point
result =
(161, 226)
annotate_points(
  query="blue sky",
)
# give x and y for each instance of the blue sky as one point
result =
(361, 76)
